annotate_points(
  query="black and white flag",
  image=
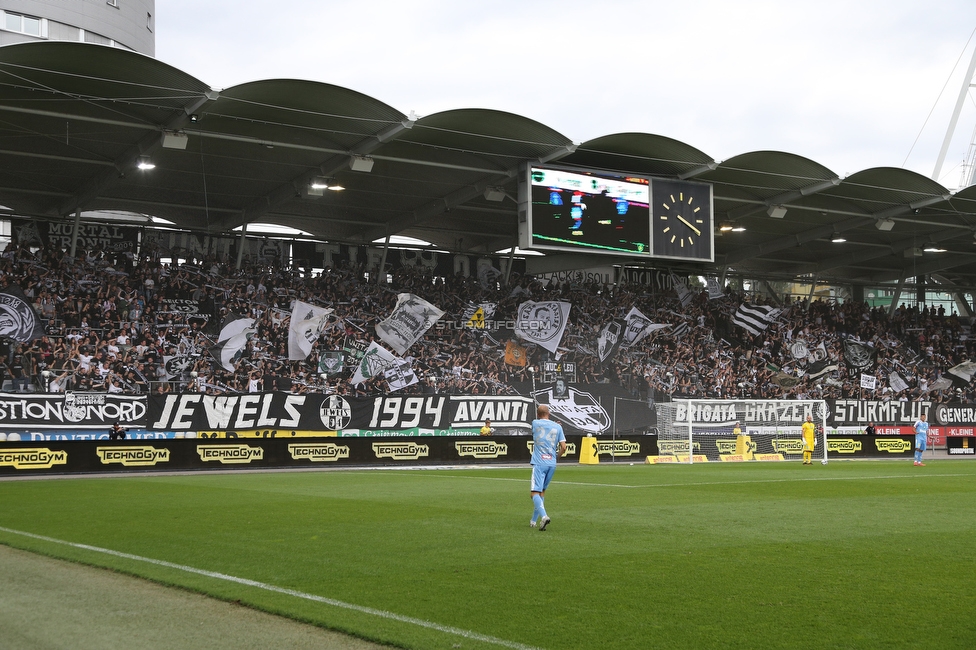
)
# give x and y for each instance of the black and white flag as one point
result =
(307, 322)
(859, 356)
(685, 295)
(638, 326)
(235, 331)
(609, 340)
(18, 319)
(680, 329)
(410, 319)
(820, 368)
(542, 323)
(963, 371)
(715, 290)
(400, 375)
(475, 314)
(897, 383)
(755, 318)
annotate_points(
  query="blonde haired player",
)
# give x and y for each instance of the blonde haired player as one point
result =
(809, 433)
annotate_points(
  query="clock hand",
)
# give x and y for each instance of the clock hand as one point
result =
(682, 220)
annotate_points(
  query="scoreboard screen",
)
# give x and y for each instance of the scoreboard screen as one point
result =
(574, 211)
(578, 210)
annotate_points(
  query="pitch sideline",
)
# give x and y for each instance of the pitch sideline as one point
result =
(447, 629)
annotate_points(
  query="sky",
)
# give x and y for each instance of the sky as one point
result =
(850, 84)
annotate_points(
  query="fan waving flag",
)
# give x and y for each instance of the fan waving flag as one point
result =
(18, 318)
(410, 319)
(234, 333)
(306, 324)
(755, 318)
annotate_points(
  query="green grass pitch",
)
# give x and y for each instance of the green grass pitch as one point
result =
(762, 555)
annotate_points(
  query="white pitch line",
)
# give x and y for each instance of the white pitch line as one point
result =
(701, 483)
(447, 629)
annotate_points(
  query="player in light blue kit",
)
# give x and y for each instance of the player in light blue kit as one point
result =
(921, 438)
(549, 442)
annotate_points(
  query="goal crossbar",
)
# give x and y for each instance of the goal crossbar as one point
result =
(693, 430)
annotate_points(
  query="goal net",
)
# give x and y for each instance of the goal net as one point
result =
(768, 429)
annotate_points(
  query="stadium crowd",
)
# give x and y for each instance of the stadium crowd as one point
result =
(111, 327)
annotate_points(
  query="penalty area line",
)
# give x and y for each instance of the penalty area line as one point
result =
(771, 480)
(392, 616)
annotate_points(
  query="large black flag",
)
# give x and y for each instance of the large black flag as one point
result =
(18, 319)
(859, 356)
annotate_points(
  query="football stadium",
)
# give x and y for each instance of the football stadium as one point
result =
(284, 366)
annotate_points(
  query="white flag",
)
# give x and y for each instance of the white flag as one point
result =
(897, 383)
(715, 290)
(964, 370)
(638, 326)
(410, 319)
(306, 324)
(375, 360)
(685, 294)
(868, 381)
(542, 322)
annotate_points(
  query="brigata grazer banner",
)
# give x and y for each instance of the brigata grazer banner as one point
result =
(316, 412)
(70, 410)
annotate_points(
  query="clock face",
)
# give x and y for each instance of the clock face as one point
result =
(681, 220)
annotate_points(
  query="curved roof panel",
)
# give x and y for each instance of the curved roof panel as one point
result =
(76, 117)
(639, 153)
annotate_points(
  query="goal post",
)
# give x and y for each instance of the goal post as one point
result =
(696, 430)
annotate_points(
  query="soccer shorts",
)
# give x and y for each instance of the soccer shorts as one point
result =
(808, 444)
(541, 476)
(921, 439)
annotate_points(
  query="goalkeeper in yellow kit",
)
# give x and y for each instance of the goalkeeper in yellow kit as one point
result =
(809, 433)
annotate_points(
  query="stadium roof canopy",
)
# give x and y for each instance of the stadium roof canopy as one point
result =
(75, 119)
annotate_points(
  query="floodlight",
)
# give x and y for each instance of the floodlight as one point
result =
(361, 163)
(145, 163)
(174, 140)
(495, 194)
